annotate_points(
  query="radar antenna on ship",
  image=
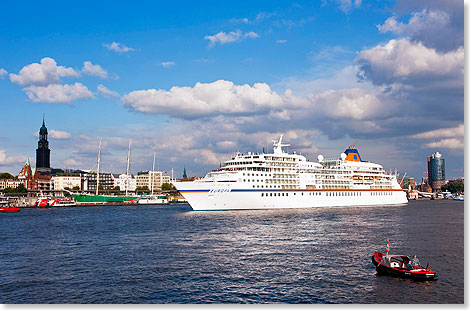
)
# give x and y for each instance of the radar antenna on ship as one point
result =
(278, 145)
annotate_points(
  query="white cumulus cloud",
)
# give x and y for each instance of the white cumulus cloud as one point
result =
(440, 28)
(404, 61)
(458, 131)
(448, 138)
(44, 73)
(117, 47)
(56, 134)
(205, 99)
(95, 70)
(57, 93)
(3, 73)
(418, 22)
(107, 92)
(354, 103)
(451, 143)
(233, 36)
(7, 160)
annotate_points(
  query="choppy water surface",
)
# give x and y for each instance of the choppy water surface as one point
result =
(170, 254)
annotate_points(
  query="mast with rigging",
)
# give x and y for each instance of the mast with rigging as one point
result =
(127, 169)
(98, 173)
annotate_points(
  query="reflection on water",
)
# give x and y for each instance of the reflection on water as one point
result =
(170, 254)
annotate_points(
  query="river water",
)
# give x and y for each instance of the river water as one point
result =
(170, 254)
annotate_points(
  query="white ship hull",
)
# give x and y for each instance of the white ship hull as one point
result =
(205, 197)
(280, 180)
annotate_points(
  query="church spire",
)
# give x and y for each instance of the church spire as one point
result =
(43, 153)
(43, 130)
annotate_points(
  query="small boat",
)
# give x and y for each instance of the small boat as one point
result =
(396, 265)
(61, 203)
(9, 208)
(41, 202)
(46, 202)
(153, 199)
(459, 198)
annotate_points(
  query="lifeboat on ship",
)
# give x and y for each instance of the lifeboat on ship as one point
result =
(397, 265)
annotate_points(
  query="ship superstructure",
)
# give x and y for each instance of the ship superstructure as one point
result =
(284, 180)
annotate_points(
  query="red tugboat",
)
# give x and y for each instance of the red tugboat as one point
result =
(400, 265)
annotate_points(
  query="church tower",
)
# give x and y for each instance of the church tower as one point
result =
(43, 153)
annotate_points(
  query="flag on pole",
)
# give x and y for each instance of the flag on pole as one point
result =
(388, 247)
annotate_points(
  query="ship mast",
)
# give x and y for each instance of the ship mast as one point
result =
(278, 146)
(98, 173)
(127, 169)
(153, 173)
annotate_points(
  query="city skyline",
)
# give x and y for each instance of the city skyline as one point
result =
(197, 84)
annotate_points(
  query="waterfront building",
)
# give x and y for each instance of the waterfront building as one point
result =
(166, 179)
(88, 181)
(69, 181)
(11, 183)
(151, 179)
(34, 179)
(436, 171)
(127, 182)
(26, 175)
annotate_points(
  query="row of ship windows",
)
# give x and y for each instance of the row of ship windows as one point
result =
(334, 182)
(287, 194)
(271, 181)
(314, 194)
(252, 163)
(328, 194)
(293, 176)
(325, 187)
(280, 158)
(275, 175)
(324, 170)
(275, 186)
(381, 193)
(325, 178)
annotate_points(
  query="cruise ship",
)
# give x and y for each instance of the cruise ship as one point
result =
(289, 180)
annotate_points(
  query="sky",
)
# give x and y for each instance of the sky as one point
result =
(195, 82)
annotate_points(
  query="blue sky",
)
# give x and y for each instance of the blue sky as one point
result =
(196, 82)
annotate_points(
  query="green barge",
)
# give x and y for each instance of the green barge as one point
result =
(83, 199)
